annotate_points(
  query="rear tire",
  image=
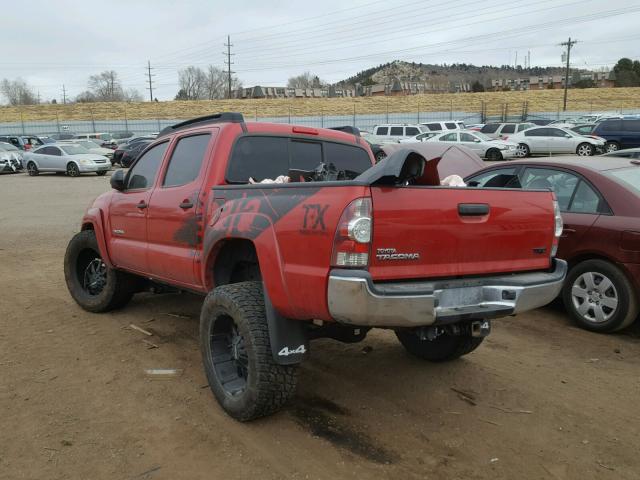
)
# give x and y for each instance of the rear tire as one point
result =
(92, 284)
(599, 297)
(494, 155)
(236, 353)
(32, 169)
(585, 150)
(441, 349)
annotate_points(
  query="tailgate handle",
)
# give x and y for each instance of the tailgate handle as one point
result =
(473, 209)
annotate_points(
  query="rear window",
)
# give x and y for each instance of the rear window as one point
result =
(411, 131)
(490, 128)
(629, 177)
(270, 157)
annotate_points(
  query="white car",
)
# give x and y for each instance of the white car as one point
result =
(10, 158)
(442, 126)
(549, 140)
(397, 131)
(90, 145)
(70, 158)
(486, 147)
(422, 137)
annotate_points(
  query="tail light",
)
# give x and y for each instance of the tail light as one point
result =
(558, 227)
(352, 242)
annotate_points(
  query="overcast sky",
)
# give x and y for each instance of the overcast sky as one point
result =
(50, 43)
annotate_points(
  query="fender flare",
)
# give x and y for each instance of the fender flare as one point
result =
(95, 217)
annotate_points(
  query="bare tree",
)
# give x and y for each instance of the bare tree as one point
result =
(17, 92)
(106, 87)
(305, 80)
(193, 82)
(216, 83)
(132, 95)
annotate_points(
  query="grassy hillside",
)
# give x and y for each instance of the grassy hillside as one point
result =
(546, 100)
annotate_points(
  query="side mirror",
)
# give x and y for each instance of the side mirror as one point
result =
(117, 180)
(567, 135)
(475, 140)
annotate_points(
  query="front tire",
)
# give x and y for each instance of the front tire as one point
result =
(443, 348)
(611, 147)
(599, 297)
(236, 353)
(32, 169)
(73, 170)
(92, 284)
(585, 150)
(494, 155)
(523, 150)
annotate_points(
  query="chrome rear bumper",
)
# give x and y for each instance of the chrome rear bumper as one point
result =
(355, 299)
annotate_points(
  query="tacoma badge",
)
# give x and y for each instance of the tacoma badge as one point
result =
(391, 254)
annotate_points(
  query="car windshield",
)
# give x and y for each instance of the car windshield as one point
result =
(482, 136)
(74, 149)
(629, 177)
(7, 147)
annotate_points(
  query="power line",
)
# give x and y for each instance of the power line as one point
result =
(228, 62)
(150, 88)
(567, 44)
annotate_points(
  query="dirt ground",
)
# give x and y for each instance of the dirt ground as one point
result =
(540, 399)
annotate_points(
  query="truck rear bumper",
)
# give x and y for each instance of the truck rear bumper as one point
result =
(355, 299)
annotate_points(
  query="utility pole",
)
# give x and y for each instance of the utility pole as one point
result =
(228, 62)
(64, 95)
(567, 44)
(150, 88)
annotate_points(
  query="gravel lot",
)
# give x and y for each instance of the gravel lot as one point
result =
(540, 398)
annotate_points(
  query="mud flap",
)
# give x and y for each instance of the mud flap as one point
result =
(289, 341)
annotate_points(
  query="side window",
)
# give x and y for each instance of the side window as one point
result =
(54, 151)
(304, 156)
(43, 151)
(490, 128)
(523, 126)
(449, 137)
(411, 131)
(585, 200)
(509, 128)
(143, 173)
(611, 126)
(186, 160)
(451, 125)
(434, 127)
(631, 125)
(562, 183)
(258, 158)
(349, 159)
(535, 132)
(500, 178)
(467, 137)
(556, 132)
(396, 131)
(382, 131)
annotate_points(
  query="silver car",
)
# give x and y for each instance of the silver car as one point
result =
(485, 147)
(549, 140)
(71, 159)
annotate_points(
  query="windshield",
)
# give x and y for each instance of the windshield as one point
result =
(629, 177)
(74, 149)
(7, 147)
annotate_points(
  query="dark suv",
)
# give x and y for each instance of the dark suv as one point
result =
(23, 142)
(619, 133)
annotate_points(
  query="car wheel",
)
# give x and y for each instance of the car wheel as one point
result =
(443, 348)
(585, 150)
(494, 155)
(32, 169)
(73, 170)
(611, 147)
(92, 284)
(380, 156)
(236, 353)
(101, 174)
(522, 150)
(599, 296)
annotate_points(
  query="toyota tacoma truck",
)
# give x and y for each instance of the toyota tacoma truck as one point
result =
(292, 233)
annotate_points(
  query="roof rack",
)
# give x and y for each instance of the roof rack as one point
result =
(347, 129)
(223, 117)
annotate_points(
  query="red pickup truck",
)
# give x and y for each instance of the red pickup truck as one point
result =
(343, 247)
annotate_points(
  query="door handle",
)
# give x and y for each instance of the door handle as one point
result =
(186, 205)
(473, 209)
(142, 205)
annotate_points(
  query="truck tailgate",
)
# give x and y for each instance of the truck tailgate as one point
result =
(430, 232)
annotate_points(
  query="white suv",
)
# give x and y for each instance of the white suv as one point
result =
(443, 126)
(395, 132)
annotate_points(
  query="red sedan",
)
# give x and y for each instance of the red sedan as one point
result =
(600, 202)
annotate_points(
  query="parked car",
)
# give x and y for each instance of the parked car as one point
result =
(619, 133)
(485, 147)
(62, 136)
(432, 264)
(600, 204)
(105, 140)
(540, 121)
(501, 130)
(583, 129)
(22, 142)
(119, 137)
(422, 137)
(46, 139)
(626, 153)
(395, 132)
(550, 140)
(10, 158)
(70, 158)
(91, 146)
(443, 126)
(129, 155)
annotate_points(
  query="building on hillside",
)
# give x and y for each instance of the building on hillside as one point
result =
(552, 82)
(259, 91)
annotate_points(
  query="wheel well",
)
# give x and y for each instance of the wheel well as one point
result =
(588, 256)
(236, 261)
(87, 226)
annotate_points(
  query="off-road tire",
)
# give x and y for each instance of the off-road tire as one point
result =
(494, 155)
(441, 349)
(627, 309)
(32, 169)
(118, 288)
(268, 385)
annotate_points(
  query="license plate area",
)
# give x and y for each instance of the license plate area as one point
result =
(459, 297)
